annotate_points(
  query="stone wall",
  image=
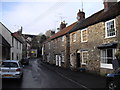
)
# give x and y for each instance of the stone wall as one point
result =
(96, 37)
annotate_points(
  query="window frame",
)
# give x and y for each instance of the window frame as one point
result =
(63, 57)
(106, 32)
(82, 35)
(74, 37)
(83, 62)
(63, 38)
(105, 64)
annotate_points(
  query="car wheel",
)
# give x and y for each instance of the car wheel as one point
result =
(112, 86)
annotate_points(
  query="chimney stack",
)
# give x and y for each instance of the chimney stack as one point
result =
(63, 25)
(108, 3)
(80, 15)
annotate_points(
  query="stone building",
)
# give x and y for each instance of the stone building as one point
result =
(49, 33)
(93, 41)
(90, 43)
(56, 48)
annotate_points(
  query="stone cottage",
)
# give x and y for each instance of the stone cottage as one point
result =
(93, 41)
(56, 48)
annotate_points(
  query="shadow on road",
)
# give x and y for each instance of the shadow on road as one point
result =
(11, 83)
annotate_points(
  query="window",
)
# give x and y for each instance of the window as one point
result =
(17, 44)
(10, 64)
(62, 38)
(63, 60)
(110, 28)
(12, 41)
(20, 46)
(74, 37)
(107, 55)
(84, 57)
(84, 35)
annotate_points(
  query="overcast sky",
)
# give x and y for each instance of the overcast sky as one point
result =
(38, 16)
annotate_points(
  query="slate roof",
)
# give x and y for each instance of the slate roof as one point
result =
(101, 16)
(62, 32)
(18, 37)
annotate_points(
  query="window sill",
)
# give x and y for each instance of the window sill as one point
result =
(84, 41)
(83, 64)
(107, 66)
(110, 37)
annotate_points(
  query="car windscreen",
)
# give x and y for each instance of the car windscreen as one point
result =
(10, 64)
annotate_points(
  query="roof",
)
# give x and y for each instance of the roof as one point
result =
(62, 32)
(18, 37)
(29, 35)
(101, 16)
(12, 33)
(108, 45)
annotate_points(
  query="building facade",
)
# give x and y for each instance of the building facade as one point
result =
(93, 42)
(14, 45)
(56, 48)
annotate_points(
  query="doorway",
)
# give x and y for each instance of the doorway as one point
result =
(78, 59)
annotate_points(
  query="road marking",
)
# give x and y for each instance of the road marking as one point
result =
(72, 81)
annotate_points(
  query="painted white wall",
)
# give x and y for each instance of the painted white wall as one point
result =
(7, 34)
(16, 49)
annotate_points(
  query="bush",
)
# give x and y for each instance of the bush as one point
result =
(117, 54)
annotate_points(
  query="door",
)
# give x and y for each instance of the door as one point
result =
(56, 60)
(60, 61)
(78, 59)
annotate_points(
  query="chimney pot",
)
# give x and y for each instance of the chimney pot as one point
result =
(80, 15)
(108, 3)
(63, 25)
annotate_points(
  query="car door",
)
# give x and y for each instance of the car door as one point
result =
(117, 79)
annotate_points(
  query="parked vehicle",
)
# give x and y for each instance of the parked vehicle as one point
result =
(11, 69)
(113, 80)
(25, 61)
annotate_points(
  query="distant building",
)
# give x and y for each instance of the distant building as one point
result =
(34, 53)
(49, 33)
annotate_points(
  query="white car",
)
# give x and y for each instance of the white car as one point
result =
(11, 69)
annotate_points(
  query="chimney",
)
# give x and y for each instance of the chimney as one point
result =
(80, 15)
(63, 25)
(108, 3)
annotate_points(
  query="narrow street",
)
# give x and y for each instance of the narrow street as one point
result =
(40, 75)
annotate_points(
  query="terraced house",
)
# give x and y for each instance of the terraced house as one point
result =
(89, 43)
(56, 48)
(93, 41)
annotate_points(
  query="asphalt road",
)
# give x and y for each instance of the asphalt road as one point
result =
(40, 75)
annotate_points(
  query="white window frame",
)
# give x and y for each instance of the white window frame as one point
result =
(62, 38)
(82, 35)
(103, 64)
(63, 58)
(106, 36)
(83, 57)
